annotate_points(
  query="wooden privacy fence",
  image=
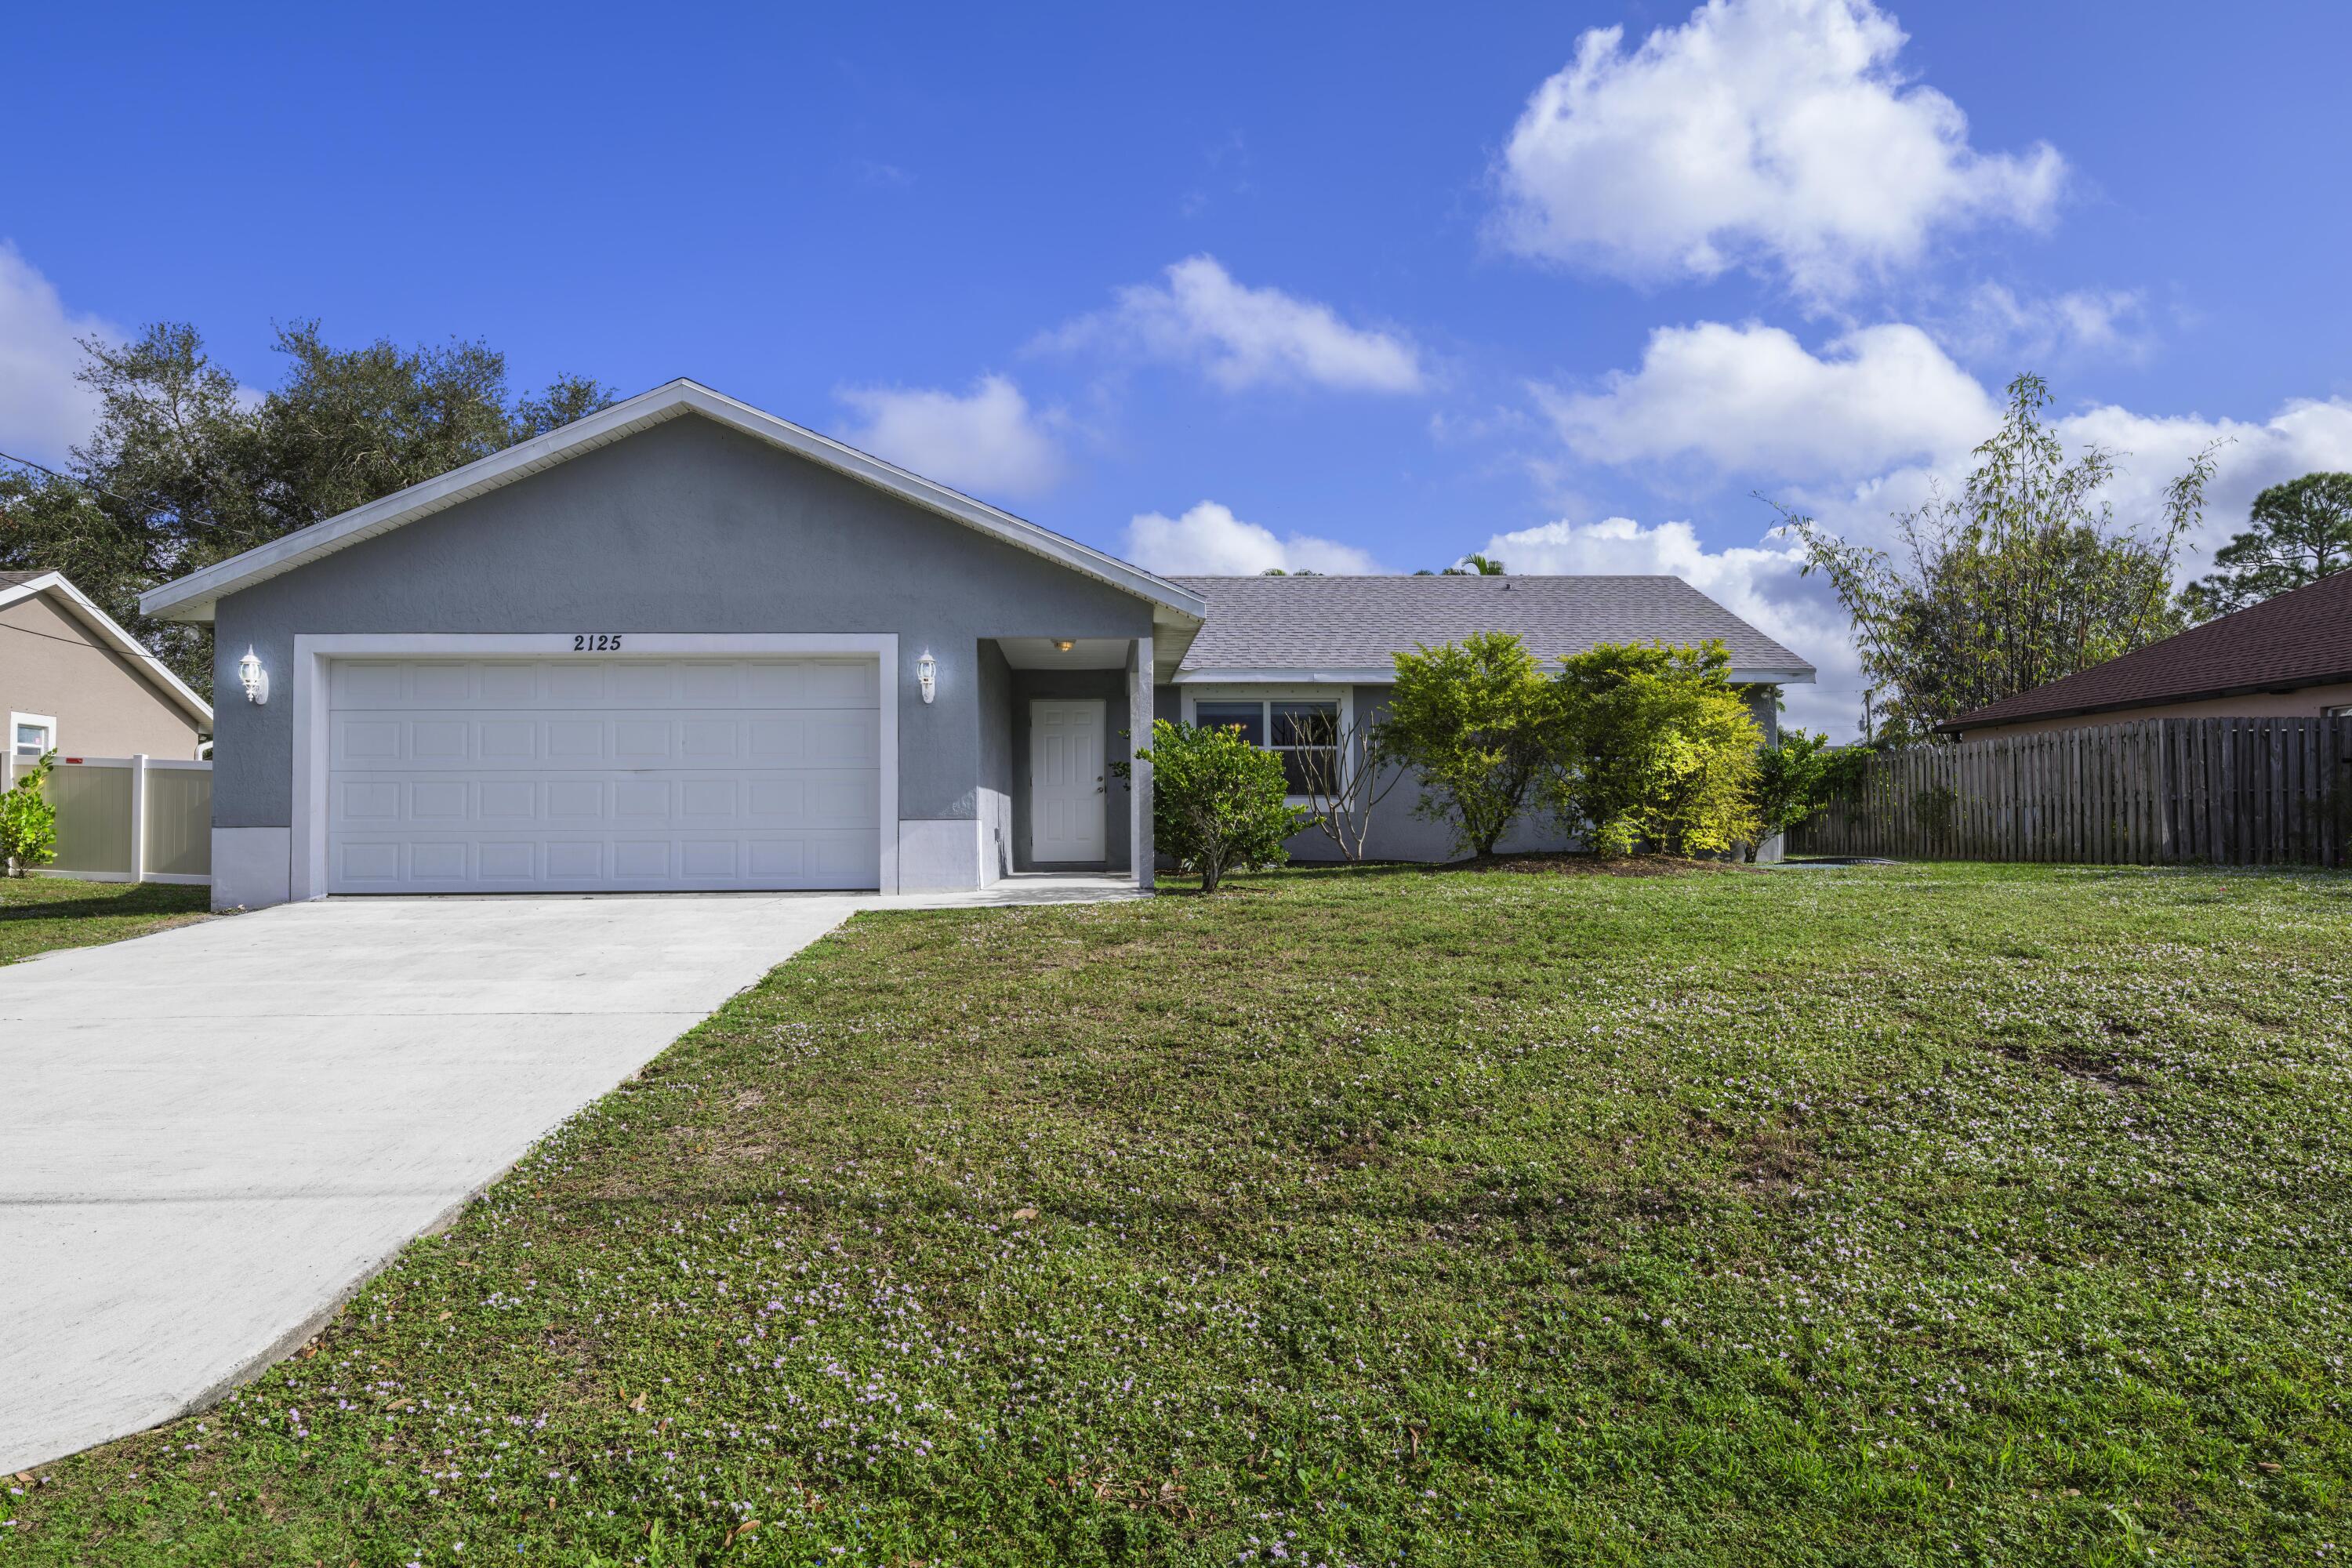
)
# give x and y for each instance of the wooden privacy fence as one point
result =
(127, 820)
(2224, 791)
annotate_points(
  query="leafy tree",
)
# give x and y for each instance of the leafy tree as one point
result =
(2302, 532)
(1793, 780)
(1475, 566)
(1479, 723)
(1217, 802)
(2024, 577)
(1659, 750)
(28, 822)
(186, 468)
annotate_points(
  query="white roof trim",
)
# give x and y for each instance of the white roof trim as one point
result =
(111, 632)
(192, 597)
(1385, 674)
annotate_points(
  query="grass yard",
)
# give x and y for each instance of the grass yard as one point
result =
(1940, 1214)
(39, 913)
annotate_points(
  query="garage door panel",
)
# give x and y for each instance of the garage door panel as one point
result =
(648, 773)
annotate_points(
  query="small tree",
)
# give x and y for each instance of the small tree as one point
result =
(28, 822)
(2302, 532)
(1661, 750)
(1344, 784)
(1216, 800)
(2026, 576)
(1480, 724)
(1792, 782)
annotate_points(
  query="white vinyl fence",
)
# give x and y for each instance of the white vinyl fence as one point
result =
(127, 820)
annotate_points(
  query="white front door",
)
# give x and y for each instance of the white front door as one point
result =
(1065, 780)
(461, 775)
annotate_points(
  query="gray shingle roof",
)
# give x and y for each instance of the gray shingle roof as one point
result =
(1361, 623)
(11, 579)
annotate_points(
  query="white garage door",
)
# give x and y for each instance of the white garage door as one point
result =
(514, 774)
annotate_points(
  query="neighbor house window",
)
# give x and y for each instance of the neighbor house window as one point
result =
(32, 733)
(1304, 733)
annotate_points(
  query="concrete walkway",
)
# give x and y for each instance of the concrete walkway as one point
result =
(211, 1136)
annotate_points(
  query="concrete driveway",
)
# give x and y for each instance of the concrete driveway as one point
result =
(211, 1136)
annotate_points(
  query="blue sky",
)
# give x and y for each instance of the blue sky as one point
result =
(1236, 287)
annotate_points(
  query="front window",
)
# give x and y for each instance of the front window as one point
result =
(1304, 733)
(34, 736)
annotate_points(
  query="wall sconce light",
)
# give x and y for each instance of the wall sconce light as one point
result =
(1063, 645)
(255, 678)
(926, 675)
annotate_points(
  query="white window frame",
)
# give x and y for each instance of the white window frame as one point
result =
(1265, 696)
(46, 720)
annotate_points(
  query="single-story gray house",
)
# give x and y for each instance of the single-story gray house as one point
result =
(682, 644)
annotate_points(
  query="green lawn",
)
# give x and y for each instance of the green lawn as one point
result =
(38, 913)
(1933, 1215)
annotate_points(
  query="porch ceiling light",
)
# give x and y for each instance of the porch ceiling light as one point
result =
(1064, 644)
(255, 678)
(926, 675)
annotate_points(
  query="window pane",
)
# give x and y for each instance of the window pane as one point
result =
(1308, 769)
(1249, 716)
(32, 740)
(1305, 723)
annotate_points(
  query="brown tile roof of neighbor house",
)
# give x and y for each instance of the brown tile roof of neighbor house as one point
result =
(10, 579)
(1361, 624)
(2299, 638)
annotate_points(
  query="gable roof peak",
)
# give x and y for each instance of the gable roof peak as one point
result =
(192, 597)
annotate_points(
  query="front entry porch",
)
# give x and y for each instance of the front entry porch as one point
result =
(1057, 717)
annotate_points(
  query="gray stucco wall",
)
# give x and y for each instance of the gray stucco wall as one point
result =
(996, 769)
(1110, 685)
(1764, 706)
(687, 527)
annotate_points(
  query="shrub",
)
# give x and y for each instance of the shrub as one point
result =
(1481, 725)
(1659, 750)
(1793, 780)
(1216, 800)
(28, 822)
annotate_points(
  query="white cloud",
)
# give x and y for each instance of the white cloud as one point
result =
(1759, 583)
(1210, 541)
(988, 441)
(1761, 131)
(43, 409)
(1995, 324)
(1753, 399)
(1242, 337)
(2304, 435)
(1867, 425)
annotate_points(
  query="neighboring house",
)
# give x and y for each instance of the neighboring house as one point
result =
(1313, 659)
(2287, 657)
(682, 644)
(72, 681)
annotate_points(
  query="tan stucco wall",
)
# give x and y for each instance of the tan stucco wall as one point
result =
(2309, 702)
(50, 663)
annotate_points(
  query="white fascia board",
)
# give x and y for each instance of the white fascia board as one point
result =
(80, 605)
(1302, 676)
(1386, 675)
(192, 597)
